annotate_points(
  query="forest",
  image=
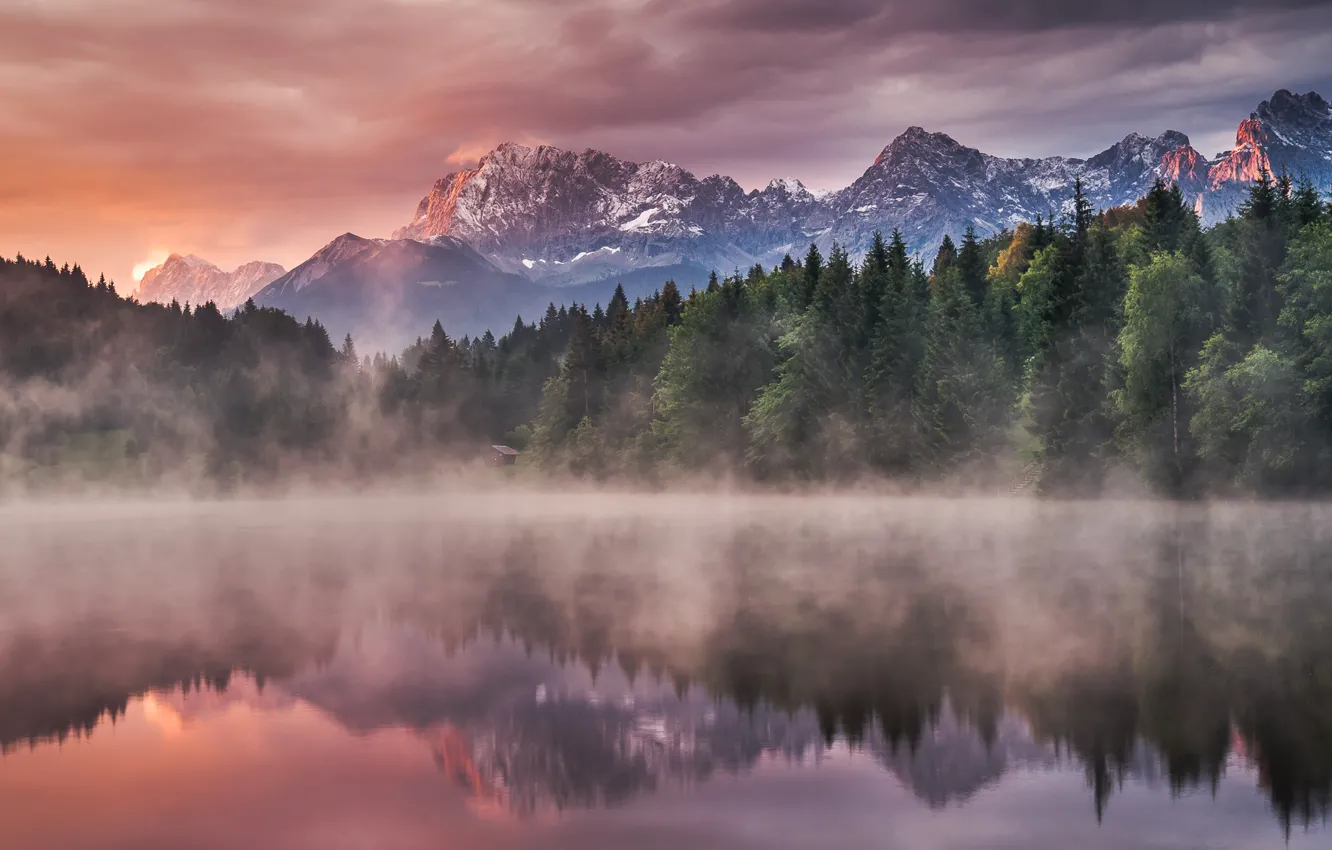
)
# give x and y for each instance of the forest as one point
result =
(1125, 350)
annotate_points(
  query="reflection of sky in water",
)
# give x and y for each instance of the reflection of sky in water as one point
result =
(393, 742)
(844, 673)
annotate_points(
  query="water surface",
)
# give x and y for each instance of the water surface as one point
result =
(664, 671)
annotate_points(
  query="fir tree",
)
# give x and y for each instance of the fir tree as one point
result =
(946, 256)
(813, 267)
(971, 267)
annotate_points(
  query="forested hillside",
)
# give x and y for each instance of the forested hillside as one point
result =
(1092, 352)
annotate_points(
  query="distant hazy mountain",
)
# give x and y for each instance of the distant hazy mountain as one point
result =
(387, 292)
(560, 217)
(190, 279)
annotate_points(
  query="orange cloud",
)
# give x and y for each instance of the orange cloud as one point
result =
(259, 129)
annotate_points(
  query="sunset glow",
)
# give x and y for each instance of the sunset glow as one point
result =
(590, 424)
(753, 90)
(154, 260)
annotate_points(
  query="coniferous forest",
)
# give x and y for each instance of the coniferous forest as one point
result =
(1125, 350)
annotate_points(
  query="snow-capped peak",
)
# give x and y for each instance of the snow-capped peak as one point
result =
(544, 202)
(789, 185)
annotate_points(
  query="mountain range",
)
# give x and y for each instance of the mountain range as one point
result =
(528, 226)
(192, 280)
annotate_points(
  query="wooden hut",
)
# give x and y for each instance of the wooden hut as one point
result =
(503, 456)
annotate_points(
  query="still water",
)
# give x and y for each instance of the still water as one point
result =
(503, 671)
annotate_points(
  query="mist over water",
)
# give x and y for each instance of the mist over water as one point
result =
(509, 669)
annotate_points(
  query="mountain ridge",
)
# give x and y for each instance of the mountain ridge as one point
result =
(193, 280)
(544, 205)
(533, 225)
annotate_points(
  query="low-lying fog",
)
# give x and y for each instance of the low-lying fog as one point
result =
(1100, 627)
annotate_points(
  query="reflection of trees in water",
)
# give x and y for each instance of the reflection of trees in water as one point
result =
(953, 762)
(52, 688)
(1200, 631)
(923, 644)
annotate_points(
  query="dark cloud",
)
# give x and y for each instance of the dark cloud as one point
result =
(243, 129)
(877, 19)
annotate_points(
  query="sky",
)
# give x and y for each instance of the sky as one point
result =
(262, 129)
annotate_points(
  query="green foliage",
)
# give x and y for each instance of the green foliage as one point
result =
(897, 347)
(1164, 325)
(720, 355)
(1250, 418)
(964, 397)
(1126, 338)
(1071, 298)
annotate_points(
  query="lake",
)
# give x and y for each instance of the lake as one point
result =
(512, 670)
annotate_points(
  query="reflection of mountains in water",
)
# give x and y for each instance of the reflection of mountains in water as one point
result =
(870, 622)
(568, 752)
(528, 734)
(521, 728)
(580, 754)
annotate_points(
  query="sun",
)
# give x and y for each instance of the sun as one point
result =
(155, 259)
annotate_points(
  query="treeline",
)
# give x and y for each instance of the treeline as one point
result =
(1124, 345)
(1070, 354)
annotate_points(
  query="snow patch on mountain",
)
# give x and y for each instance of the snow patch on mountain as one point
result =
(640, 222)
(553, 208)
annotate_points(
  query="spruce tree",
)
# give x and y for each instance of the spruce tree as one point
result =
(1166, 219)
(1259, 248)
(1070, 300)
(972, 268)
(813, 268)
(961, 403)
(946, 256)
(671, 303)
(895, 355)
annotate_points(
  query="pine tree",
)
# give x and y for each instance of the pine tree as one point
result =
(1040, 236)
(1069, 305)
(1259, 247)
(1166, 220)
(813, 268)
(946, 256)
(971, 267)
(671, 303)
(583, 367)
(619, 328)
(720, 355)
(895, 356)
(871, 288)
(961, 403)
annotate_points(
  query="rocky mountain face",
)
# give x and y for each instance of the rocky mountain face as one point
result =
(531, 226)
(192, 280)
(1291, 133)
(559, 217)
(562, 217)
